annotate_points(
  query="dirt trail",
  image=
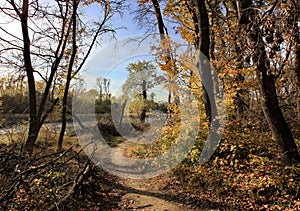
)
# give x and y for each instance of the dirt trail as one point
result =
(142, 195)
(139, 196)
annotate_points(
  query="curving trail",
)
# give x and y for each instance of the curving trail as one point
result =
(143, 195)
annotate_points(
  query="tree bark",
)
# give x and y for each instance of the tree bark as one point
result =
(199, 13)
(144, 93)
(297, 62)
(162, 31)
(205, 69)
(37, 114)
(122, 113)
(266, 79)
(68, 80)
(297, 56)
(160, 22)
(275, 118)
(33, 118)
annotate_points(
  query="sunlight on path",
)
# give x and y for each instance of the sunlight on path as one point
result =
(139, 195)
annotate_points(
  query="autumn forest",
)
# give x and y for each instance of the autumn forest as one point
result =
(206, 117)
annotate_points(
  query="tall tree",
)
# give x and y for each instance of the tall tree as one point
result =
(195, 28)
(168, 64)
(103, 85)
(142, 77)
(109, 9)
(250, 22)
(36, 113)
(48, 37)
(202, 42)
(68, 78)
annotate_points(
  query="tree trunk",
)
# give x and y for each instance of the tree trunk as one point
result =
(197, 9)
(160, 22)
(34, 128)
(36, 113)
(144, 109)
(205, 68)
(162, 31)
(297, 65)
(297, 44)
(68, 80)
(266, 79)
(275, 118)
(122, 113)
(33, 118)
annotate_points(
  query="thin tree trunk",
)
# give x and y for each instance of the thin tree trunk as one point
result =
(122, 114)
(162, 31)
(36, 116)
(68, 80)
(144, 110)
(239, 103)
(33, 118)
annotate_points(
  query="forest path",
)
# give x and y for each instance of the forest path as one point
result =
(144, 194)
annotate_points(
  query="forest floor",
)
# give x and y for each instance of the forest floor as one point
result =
(243, 175)
(44, 180)
(146, 194)
(142, 195)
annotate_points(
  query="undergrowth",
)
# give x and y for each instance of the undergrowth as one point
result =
(51, 180)
(245, 172)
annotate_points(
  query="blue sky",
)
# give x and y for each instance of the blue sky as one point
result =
(103, 56)
(127, 25)
(111, 59)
